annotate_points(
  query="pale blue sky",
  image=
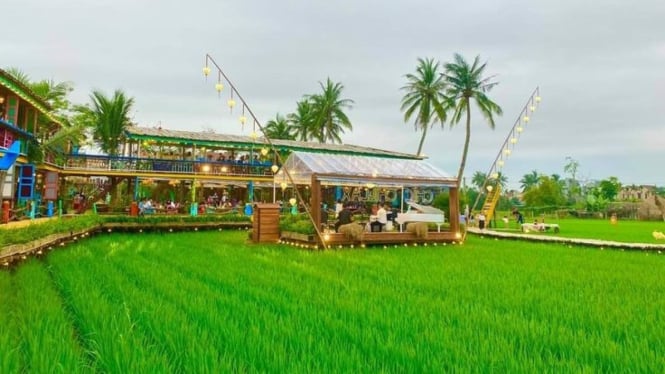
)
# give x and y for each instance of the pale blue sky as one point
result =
(599, 66)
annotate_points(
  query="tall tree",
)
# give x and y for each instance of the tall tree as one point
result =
(478, 179)
(530, 180)
(466, 83)
(110, 119)
(301, 120)
(279, 128)
(546, 193)
(329, 119)
(425, 97)
(609, 188)
(573, 185)
(571, 167)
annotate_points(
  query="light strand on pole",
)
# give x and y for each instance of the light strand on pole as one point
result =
(231, 103)
(509, 144)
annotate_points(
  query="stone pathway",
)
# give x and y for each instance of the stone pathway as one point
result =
(571, 241)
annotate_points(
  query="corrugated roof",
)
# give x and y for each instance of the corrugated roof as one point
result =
(213, 139)
(343, 169)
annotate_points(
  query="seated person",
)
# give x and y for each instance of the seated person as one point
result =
(148, 208)
(324, 219)
(344, 217)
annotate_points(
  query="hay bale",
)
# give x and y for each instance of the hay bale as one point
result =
(352, 231)
(419, 228)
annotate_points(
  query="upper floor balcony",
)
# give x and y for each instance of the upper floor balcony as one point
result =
(122, 165)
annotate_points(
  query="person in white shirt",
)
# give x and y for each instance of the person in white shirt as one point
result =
(481, 221)
(382, 217)
(338, 207)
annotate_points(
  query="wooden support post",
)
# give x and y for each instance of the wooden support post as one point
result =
(315, 200)
(454, 210)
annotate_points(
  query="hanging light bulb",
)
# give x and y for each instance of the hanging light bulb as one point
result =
(500, 162)
(538, 99)
(506, 152)
(533, 108)
(283, 185)
(274, 168)
(519, 129)
(489, 188)
(526, 118)
(495, 176)
(231, 103)
(254, 135)
(219, 87)
(264, 151)
(206, 71)
(513, 140)
(293, 201)
(242, 119)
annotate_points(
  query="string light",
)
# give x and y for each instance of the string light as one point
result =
(512, 139)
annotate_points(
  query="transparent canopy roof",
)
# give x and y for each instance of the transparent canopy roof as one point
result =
(346, 170)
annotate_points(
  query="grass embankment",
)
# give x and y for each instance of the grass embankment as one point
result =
(207, 302)
(623, 231)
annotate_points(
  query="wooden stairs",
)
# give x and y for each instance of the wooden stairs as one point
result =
(490, 202)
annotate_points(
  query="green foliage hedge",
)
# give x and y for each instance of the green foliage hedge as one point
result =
(296, 223)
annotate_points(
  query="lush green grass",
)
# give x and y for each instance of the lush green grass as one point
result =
(208, 302)
(626, 231)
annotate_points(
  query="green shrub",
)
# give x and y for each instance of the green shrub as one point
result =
(296, 223)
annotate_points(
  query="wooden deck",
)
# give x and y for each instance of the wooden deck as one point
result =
(373, 238)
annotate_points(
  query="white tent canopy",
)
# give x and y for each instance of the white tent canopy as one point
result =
(343, 169)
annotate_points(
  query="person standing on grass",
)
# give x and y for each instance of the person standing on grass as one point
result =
(481, 221)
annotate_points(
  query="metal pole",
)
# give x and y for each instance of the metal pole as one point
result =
(209, 58)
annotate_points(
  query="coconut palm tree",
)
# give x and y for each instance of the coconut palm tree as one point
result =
(466, 83)
(425, 97)
(19, 75)
(478, 179)
(109, 118)
(327, 108)
(279, 128)
(530, 180)
(301, 121)
(55, 94)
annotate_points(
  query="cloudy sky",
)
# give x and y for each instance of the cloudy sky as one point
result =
(600, 66)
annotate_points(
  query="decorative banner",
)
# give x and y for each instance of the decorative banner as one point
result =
(51, 186)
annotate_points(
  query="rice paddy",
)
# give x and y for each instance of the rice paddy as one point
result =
(209, 302)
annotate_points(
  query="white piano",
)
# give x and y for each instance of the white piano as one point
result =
(420, 213)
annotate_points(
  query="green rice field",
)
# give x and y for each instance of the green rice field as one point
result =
(209, 302)
(627, 231)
